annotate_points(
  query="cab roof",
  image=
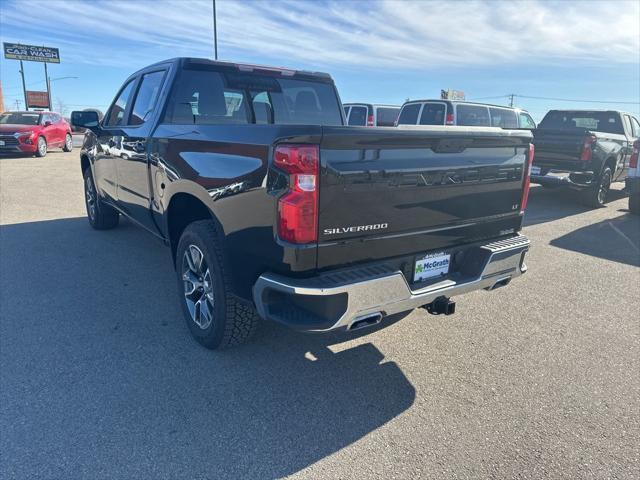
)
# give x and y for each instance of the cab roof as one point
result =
(243, 67)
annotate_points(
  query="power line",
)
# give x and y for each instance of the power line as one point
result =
(578, 101)
(490, 98)
(512, 96)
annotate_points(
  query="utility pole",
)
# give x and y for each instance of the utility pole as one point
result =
(46, 78)
(215, 32)
(511, 99)
(24, 86)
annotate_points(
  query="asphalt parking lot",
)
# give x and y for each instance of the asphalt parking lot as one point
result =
(100, 377)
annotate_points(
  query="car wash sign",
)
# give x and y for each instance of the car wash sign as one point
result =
(31, 53)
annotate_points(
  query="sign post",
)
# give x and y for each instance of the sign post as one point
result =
(24, 86)
(32, 53)
(46, 77)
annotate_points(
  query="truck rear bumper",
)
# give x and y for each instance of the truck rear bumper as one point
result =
(565, 179)
(344, 299)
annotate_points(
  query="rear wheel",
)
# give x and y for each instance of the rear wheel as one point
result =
(596, 196)
(215, 317)
(101, 216)
(634, 204)
(41, 147)
(68, 143)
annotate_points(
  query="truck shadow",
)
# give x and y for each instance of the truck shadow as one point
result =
(617, 240)
(97, 365)
(550, 204)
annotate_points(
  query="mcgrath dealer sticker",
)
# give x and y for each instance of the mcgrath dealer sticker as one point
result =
(434, 265)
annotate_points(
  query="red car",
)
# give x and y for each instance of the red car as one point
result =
(34, 132)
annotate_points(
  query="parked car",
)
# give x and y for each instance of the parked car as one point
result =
(585, 150)
(458, 112)
(273, 209)
(34, 132)
(370, 114)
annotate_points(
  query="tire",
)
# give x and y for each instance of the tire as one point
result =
(101, 216)
(634, 204)
(68, 143)
(41, 147)
(596, 197)
(216, 318)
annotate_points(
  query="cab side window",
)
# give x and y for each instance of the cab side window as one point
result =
(635, 125)
(119, 107)
(627, 125)
(526, 121)
(147, 96)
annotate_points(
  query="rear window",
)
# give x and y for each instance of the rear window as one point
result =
(503, 118)
(358, 116)
(409, 114)
(608, 122)
(433, 114)
(472, 116)
(387, 116)
(206, 96)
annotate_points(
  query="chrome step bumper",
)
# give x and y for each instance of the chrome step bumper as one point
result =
(309, 304)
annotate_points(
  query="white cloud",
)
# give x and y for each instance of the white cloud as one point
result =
(386, 33)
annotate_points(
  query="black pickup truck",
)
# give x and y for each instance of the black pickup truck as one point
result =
(274, 209)
(585, 150)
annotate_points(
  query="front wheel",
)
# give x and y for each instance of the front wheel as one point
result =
(68, 143)
(101, 216)
(41, 147)
(215, 317)
(634, 204)
(596, 196)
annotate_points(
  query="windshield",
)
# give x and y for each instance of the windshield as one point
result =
(608, 122)
(19, 118)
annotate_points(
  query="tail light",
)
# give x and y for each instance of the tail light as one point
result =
(298, 208)
(527, 179)
(370, 121)
(587, 150)
(633, 161)
(449, 120)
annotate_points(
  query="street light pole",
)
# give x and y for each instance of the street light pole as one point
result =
(215, 31)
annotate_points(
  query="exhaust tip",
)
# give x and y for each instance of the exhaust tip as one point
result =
(367, 321)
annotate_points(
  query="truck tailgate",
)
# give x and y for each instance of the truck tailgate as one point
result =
(388, 192)
(558, 148)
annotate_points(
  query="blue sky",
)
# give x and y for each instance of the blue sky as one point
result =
(377, 51)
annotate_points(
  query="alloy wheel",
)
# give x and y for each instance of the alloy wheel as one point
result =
(603, 188)
(90, 198)
(198, 287)
(42, 146)
(68, 142)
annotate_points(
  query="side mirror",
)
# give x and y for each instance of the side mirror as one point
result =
(85, 119)
(47, 123)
